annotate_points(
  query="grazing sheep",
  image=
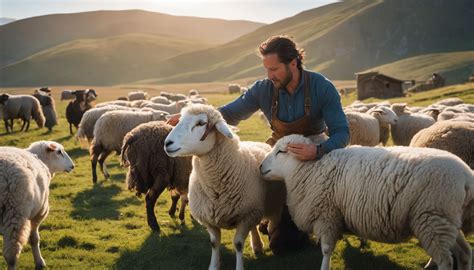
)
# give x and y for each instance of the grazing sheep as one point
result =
(449, 102)
(25, 175)
(85, 131)
(24, 107)
(371, 128)
(177, 97)
(75, 109)
(408, 124)
(456, 137)
(137, 95)
(122, 98)
(160, 100)
(49, 109)
(67, 95)
(109, 132)
(234, 88)
(382, 194)
(225, 188)
(151, 170)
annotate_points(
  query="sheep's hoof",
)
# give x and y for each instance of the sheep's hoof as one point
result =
(40, 266)
(183, 222)
(107, 176)
(171, 213)
(154, 226)
(94, 180)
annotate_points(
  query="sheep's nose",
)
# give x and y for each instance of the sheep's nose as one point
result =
(72, 167)
(168, 143)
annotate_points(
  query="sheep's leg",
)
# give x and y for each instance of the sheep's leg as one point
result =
(6, 125)
(27, 125)
(174, 202)
(11, 124)
(327, 247)
(463, 253)
(184, 202)
(70, 130)
(35, 248)
(95, 151)
(241, 233)
(23, 124)
(256, 242)
(103, 166)
(436, 239)
(14, 238)
(215, 237)
(150, 199)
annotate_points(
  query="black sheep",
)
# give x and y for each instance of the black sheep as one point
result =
(76, 108)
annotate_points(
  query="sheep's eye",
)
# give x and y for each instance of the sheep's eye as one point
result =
(60, 152)
(201, 123)
(279, 151)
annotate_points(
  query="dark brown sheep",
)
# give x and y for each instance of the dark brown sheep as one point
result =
(151, 170)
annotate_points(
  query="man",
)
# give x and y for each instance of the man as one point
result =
(295, 101)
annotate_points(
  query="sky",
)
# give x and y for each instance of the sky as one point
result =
(266, 11)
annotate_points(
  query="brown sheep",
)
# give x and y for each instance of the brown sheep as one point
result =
(151, 170)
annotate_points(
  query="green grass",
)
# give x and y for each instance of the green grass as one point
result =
(104, 226)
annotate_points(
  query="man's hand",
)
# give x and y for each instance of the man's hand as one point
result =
(303, 152)
(173, 119)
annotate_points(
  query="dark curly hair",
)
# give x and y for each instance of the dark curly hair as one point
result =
(284, 47)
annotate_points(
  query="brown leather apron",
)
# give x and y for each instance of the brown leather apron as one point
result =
(301, 126)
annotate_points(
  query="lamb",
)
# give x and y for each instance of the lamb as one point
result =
(109, 132)
(456, 137)
(137, 95)
(371, 128)
(24, 107)
(408, 124)
(225, 187)
(382, 194)
(151, 170)
(85, 131)
(67, 95)
(75, 109)
(49, 109)
(25, 175)
(160, 100)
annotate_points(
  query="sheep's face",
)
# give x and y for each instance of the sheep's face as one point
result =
(279, 163)
(53, 155)
(189, 136)
(384, 115)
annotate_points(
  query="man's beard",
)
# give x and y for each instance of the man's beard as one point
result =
(284, 83)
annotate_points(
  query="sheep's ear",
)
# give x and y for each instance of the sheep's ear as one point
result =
(51, 147)
(223, 128)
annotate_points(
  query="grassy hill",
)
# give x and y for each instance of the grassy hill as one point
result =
(342, 38)
(6, 20)
(455, 67)
(115, 59)
(103, 226)
(25, 37)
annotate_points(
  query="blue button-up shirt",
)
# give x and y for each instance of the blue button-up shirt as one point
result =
(326, 107)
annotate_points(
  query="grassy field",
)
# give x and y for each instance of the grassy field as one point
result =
(103, 226)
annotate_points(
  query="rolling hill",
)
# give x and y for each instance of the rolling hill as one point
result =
(455, 67)
(23, 38)
(6, 20)
(339, 39)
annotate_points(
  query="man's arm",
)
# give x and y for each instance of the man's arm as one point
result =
(335, 119)
(243, 107)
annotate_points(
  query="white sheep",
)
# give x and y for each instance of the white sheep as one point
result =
(85, 132)
(382, 194)
(67, 95)
(24, 107)
(449, 102)
(371, 128)
(193, 92)
(109, 132)
(124, 103)
(462, 116)
(172, 108)
(408, 124)
(225, 188)
(137, 95)
(25, 175)
(456, 137)
(160, 100)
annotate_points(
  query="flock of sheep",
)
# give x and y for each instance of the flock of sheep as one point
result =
(386, 194)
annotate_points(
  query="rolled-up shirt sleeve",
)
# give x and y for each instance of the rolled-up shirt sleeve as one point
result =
(241, 108)
(335, 120)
